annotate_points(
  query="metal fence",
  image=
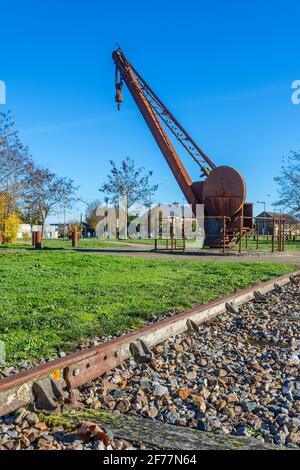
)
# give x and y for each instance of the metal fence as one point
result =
(249, 233)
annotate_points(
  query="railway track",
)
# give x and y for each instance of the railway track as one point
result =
(64, 383)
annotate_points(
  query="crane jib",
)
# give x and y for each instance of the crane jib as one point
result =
(223, 190)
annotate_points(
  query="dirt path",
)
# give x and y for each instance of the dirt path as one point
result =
(143, 251)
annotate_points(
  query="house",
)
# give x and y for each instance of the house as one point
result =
(51, 231)
(25, 231)
(264, 222)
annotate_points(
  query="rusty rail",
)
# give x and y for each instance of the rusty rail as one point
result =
(85, 366)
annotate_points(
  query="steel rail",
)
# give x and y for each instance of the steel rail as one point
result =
(82, 367)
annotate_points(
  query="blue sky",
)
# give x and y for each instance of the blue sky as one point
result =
(224, 68)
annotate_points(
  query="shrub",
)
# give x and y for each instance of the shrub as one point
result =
(26, 237)
(11, 226)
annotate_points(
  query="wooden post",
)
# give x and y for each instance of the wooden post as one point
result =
(279, 235)
(149, 224)
(38, 240)
(75, 238)
(283, 236)
(241, 230)
(273, 235)
(155, 244)
(224, 234)
(257, 234)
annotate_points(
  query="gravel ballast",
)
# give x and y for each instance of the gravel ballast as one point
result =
(239, 375)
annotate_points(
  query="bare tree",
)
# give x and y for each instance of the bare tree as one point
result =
(91, 214)
(25, 187)
(16, 166)
(289, 183)
(49, 194)
(129, 181)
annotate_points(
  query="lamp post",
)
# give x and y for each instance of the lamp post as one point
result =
(264, 224)
(264, 203)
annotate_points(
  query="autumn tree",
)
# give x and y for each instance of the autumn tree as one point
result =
(11, 227)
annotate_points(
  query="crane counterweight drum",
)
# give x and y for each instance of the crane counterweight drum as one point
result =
(223, 192)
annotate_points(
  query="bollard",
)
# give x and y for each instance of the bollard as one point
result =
(74, 239)
(38, 240)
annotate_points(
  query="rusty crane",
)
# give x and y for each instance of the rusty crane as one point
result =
(222, 191)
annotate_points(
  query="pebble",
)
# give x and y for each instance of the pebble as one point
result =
(249, 406)
(159, 390)
(32, 419)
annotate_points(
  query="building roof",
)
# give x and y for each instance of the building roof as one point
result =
(288, 217)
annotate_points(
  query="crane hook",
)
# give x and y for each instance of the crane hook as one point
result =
(119, 86)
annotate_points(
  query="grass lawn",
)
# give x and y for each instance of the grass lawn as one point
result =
(266, 244)
(92, 243)
(51, 299)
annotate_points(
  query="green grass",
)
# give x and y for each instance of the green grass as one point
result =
(88, 243)
(94, 243)
(266, 244)
(61, 244)
(143, 241)
(51, 299)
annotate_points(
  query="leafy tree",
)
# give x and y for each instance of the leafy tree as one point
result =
(129, 181)
(289, 183)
